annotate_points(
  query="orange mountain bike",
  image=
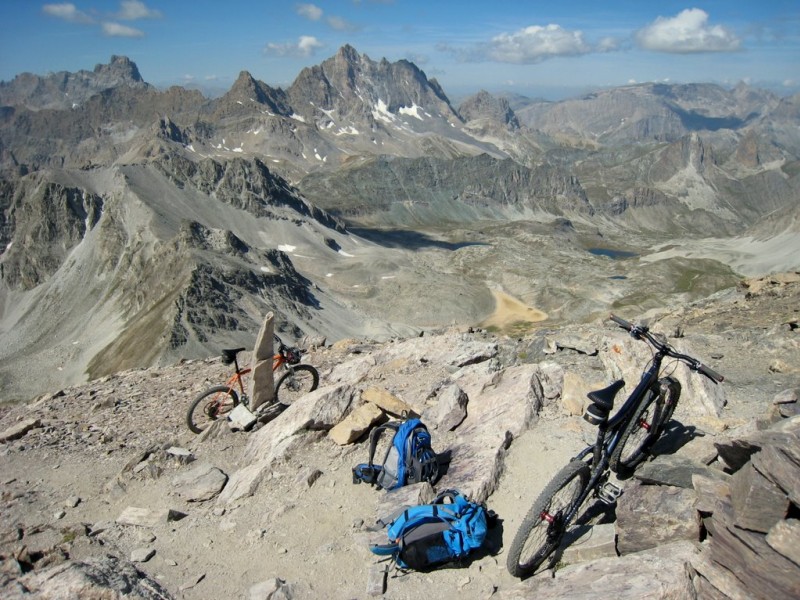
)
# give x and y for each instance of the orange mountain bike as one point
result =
(217, 401)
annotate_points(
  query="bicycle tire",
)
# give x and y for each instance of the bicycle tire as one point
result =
(215, 402)
(672, 390)
(548, 510)
(641, 431)
(298, 381)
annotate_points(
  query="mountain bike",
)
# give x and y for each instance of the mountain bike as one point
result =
(622, 443)
(219, 400)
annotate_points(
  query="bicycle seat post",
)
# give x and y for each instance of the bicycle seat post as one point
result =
(236, 361)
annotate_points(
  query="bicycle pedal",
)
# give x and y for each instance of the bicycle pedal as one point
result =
(609, 492)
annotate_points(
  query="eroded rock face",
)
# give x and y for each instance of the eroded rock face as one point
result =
(107, 577)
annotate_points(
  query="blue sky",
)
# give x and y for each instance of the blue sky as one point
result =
(536, 48)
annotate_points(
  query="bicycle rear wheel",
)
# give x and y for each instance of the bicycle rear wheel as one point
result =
(544, 526)
(641, 431)
(296, 382)
(209, 406)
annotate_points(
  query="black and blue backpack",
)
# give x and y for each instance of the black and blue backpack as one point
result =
(409, 459)
(430, 535)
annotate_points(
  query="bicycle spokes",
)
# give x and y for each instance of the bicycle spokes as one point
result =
(555, 525)
(218, 406)
(211, 409)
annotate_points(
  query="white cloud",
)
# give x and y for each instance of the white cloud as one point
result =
(67, 12)
(132, 10)
(340, 24)
(306, 45)
(536, 43)
(309, 11)
(688, 32)
(116, 30)
(607, 44)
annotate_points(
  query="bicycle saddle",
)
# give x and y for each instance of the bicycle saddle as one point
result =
(605, 398)
(229, 355)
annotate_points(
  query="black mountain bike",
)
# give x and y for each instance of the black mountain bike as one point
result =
(622, 443)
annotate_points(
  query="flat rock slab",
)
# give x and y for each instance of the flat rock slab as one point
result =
(675, 471)
(651, 515)
(146, 517)
(657, 573)
(590, 543)
(19, 430)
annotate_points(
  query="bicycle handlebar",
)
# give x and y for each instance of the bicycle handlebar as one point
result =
(642, 331)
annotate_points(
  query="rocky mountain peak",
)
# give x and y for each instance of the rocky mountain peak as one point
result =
(352, 83)
(120, 67)
(349, 54)
(485, 106)
(246, 90)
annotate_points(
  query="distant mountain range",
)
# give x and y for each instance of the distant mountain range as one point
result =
(141, 226)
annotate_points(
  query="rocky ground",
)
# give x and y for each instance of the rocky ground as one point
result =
(102, 486)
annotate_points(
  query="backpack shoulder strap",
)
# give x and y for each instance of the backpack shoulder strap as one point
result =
(375, 436)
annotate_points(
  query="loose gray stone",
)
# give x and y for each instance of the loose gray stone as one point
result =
(271, 589)
(141, 555)
(200, 483)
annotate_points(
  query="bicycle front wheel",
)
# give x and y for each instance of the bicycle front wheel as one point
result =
(639, 434)
(544, 526)
(296, 382)
(212, 404)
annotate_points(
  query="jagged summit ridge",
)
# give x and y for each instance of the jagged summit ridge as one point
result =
(351, 84)
(64, 90)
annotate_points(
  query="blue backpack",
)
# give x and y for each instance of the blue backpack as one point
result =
(429, 535)
(409, 459)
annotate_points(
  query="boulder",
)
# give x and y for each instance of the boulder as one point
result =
(652, 515)
(201, 482)
(506, 404)
(387, 401)
(356, 424)
(757, 566)
(449, 411)
(625, 358)
(757, 503)
(784, 537)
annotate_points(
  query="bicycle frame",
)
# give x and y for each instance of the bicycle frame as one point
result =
(278, 360)
(638, 421)
(604, 447)
(237, 378)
